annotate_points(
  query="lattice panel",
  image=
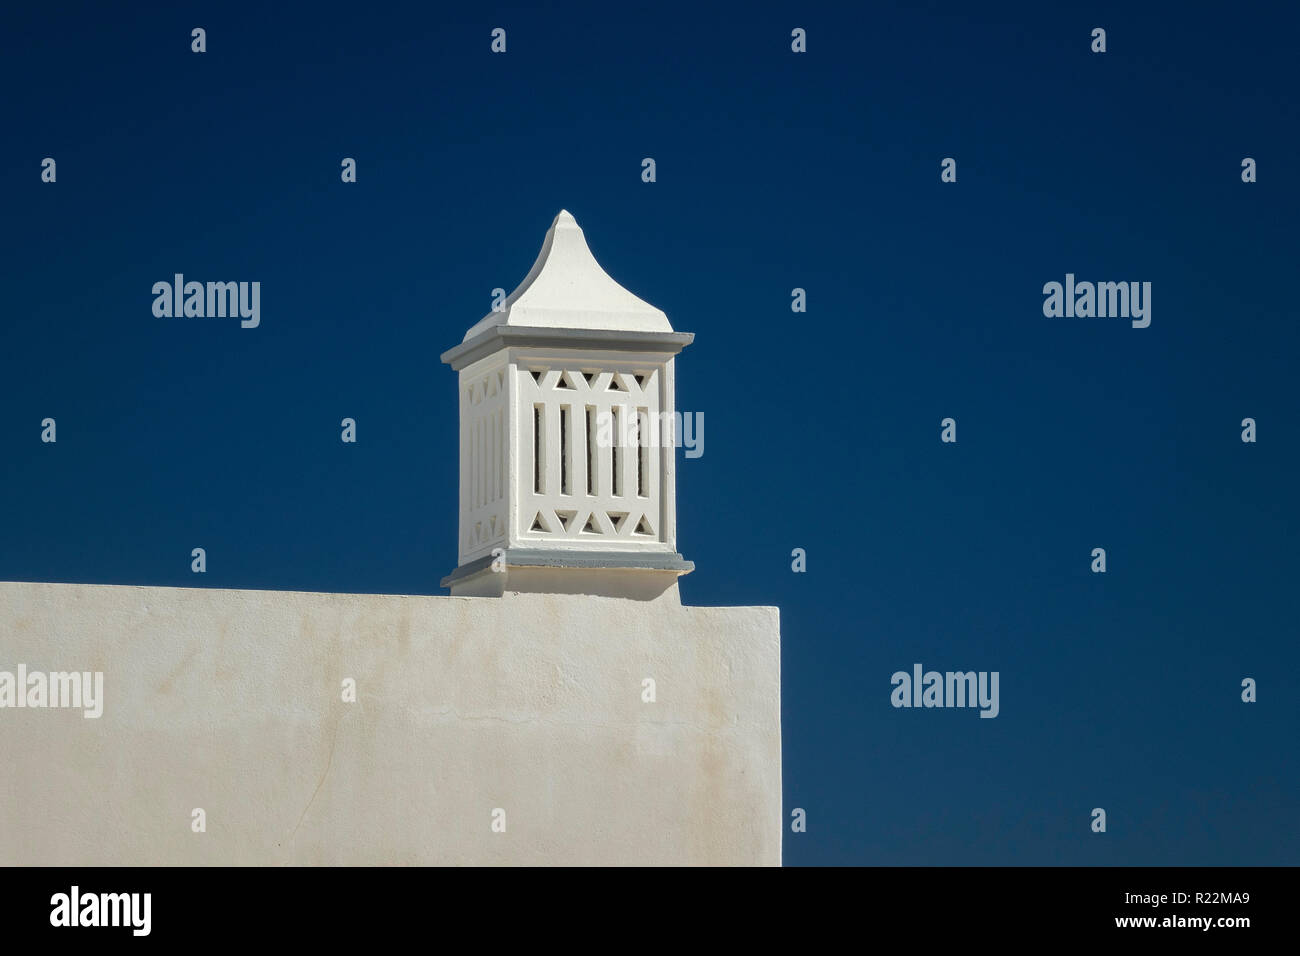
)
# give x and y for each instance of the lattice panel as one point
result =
(483, 451)
(572, 485)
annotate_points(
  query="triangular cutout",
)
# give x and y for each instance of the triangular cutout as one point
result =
(615, 385)
(590, 526)
(590, 377)
(537, 523)
(617, 518)
(641, 380)
(564, 381)
(537, 374)
(642, 527)
(566, 518)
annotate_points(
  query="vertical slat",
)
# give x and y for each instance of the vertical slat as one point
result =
(666, 505)
(602, 451)
(551, 472)
(627, 460)
(654, 457)
(501, 448)
(580, 449)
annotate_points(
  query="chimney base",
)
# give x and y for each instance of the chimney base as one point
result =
(638, 577)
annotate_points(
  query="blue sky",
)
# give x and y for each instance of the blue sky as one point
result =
(775, 171)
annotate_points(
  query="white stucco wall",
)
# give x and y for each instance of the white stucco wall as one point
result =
(231, 701)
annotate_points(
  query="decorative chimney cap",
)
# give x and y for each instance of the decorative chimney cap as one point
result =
(566, 288)
(567, 436)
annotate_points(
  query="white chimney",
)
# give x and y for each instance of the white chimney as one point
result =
(566, 436)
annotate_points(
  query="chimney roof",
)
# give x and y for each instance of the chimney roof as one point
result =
(567, 289)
